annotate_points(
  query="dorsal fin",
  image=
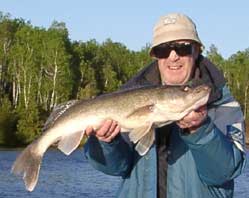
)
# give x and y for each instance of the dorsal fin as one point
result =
(57, 112)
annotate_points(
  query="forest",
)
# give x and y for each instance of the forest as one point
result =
(41, 68)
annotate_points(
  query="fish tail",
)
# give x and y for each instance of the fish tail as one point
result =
(28, 165)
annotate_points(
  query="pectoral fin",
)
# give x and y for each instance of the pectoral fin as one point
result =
(145, 143)
(69, 143)
(142, 111)
(136, 134)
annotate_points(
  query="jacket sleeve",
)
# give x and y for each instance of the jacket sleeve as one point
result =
(113, 158)
(218, 146)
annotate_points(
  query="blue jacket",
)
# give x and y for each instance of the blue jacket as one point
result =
(202, 164)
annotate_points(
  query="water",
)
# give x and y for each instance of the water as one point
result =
(61, 176)
(71, 176)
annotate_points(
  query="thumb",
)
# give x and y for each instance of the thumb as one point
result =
(89, 131)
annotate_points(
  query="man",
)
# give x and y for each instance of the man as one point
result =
(200, 155)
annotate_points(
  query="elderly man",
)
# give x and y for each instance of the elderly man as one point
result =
(198, 156)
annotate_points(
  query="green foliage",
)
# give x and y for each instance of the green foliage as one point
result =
(29, 125)
(236, 71)
(56, 84)
(214, 56)
(88, 85)
(85, 84)
(8, 122)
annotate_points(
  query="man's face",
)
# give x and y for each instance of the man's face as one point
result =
(176, 62)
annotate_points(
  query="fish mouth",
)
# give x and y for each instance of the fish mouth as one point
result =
(201, 102)
(198, 97)
(204, 92)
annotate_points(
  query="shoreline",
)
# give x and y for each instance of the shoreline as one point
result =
(2, 148)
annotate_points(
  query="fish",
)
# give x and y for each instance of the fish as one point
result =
(138, 111)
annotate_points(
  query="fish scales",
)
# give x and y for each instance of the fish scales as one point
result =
(112, 106)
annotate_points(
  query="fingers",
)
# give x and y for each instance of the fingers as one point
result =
(194, 119)
(106, 128)
(110, 135)
(107, 132)
(89, 131)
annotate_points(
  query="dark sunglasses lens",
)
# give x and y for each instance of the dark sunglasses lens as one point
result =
(183, 49)
(163, 51)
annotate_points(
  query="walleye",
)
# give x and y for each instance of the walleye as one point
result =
(138, 111)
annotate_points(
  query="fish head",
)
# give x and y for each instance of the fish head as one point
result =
(197, 97)
(184, 99)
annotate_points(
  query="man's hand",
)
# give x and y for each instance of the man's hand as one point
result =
(107, 132)
(193, 120)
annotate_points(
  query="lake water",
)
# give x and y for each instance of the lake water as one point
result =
(71, 176)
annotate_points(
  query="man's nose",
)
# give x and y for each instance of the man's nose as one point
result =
(173, 55)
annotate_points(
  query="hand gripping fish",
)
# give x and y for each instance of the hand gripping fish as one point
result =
(138, 111)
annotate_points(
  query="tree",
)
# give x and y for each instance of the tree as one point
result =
(56, 83)
(8, 121)
(24, 65)
(29, 124)
(239, 66)
(8, 29)
(85, 85)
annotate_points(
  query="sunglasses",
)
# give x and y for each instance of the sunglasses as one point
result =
(182, 49)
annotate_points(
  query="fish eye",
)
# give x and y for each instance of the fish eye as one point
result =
(186, 88)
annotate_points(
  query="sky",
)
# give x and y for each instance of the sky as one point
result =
(220, 22)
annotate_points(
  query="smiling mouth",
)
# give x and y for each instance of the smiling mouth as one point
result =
(174, 67)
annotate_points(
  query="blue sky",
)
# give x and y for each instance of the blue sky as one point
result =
(220, 22)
